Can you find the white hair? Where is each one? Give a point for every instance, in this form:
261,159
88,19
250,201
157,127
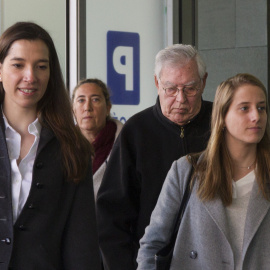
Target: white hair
178,55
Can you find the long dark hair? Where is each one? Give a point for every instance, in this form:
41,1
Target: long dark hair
54,109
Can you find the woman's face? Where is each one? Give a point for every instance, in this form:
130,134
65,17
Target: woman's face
90,108
25,73
246,118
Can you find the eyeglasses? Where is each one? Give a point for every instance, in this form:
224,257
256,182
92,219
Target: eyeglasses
189,90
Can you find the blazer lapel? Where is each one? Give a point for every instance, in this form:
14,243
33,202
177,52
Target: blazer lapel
4,157
45,136
257,209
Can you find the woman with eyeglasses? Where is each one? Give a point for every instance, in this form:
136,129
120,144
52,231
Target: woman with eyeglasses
47,212
227,218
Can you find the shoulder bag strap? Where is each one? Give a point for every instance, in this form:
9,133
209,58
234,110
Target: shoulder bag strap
183,205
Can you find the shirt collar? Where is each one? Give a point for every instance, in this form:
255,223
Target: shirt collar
34,128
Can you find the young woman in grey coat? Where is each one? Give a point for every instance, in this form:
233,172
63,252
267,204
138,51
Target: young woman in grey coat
227,219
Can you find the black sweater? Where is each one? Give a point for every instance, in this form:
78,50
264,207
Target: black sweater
141,157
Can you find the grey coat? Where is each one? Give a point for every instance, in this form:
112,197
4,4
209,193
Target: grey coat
203,241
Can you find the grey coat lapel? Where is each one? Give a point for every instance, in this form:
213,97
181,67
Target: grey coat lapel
257,209
217,212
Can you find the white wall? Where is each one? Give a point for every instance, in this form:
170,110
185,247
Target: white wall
50,14
148,19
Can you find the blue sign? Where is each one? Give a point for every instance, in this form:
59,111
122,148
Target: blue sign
123,67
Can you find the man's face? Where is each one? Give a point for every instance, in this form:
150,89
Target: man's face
180,108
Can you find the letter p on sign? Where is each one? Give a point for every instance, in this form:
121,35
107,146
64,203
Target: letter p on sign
123,67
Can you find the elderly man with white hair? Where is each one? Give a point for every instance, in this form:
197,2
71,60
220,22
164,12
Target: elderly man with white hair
178,124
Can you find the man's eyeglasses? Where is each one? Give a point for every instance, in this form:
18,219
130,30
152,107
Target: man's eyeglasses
188,90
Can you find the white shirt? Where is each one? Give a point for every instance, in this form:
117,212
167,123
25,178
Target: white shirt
21,176
236,213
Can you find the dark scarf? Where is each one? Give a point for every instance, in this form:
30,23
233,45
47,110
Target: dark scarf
103,144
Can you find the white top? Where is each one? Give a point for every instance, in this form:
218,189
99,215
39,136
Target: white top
98,176
21,176
236,213
243,185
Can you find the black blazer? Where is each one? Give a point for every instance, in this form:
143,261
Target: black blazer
57,226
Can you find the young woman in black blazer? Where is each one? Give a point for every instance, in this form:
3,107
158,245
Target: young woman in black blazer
47,213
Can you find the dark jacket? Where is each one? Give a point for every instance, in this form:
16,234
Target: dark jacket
140,160
57,227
